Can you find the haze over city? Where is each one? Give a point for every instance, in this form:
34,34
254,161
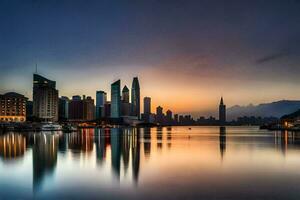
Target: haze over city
186,54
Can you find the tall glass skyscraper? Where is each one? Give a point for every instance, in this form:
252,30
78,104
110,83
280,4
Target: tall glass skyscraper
135,97
100,101
115,99
45,98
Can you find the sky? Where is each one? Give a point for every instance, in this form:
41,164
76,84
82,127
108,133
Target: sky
187,54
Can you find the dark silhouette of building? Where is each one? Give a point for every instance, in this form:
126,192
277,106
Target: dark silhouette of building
176,119
222,113
159,115
12,107
29,109
81,109
115,108
147,116
101,99
135,98
147,105
125,94
45,98
107,107
125,105
169,117
63,108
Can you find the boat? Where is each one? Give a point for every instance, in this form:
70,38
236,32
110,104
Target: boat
50,127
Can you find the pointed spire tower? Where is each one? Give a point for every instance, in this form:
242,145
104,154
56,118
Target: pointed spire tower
222,113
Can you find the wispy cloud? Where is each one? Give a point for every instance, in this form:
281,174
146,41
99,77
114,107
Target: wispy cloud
272,57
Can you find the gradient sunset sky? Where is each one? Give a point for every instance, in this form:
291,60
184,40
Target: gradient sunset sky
185,53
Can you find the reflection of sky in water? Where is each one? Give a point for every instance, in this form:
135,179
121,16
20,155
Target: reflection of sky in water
201,162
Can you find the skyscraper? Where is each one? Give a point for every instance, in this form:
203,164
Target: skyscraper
45,98
115,99
81,109
63,108
169,117
222,113
159,115
125,105
147,105
125,94
135,97
101,99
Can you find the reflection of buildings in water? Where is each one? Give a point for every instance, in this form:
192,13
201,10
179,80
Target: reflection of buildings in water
222,140
81,141
169,136
159,137
121,142
126,148
62,143
44,155
287,140
116,150
102,142
147,142
135,153
12,146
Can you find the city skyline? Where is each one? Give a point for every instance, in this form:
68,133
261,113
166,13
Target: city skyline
213,49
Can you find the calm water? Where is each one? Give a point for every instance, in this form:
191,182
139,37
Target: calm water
156,163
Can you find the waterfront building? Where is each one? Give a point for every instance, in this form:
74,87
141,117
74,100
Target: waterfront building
81,108
107,107
29,109
63,108
147,105
135,98
176,119
159,115
146,116
101,99
169,117
115,109
125,94
125,105
222,113
12,107
45,98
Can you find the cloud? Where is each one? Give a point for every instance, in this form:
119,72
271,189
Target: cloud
272,57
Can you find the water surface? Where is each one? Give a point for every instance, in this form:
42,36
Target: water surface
151,163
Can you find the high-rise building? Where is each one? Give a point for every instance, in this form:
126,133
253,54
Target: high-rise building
12,107
81,109
125,94
147,105
169,116
125,105
147,116
63,108
101,99
176,119
222,113
107,107
115,109
159,115
45,98
29,109
135,97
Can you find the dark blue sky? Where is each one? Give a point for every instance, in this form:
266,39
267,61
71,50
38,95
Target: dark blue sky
229,47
